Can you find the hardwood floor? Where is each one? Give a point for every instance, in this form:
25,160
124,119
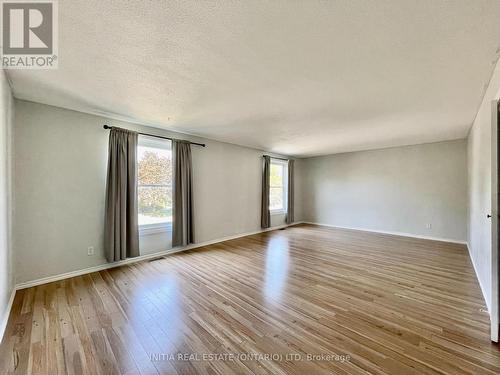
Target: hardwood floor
374,303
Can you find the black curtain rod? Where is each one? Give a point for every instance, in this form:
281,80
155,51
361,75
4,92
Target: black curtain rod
156,136
272,157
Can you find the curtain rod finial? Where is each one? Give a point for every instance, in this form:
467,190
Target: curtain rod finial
106,126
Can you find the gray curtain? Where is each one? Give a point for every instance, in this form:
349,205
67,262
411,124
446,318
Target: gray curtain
290,200
183,225
265,218
121,233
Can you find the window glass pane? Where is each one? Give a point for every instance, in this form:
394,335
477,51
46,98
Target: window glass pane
276,198
276,175
155,204
154,185
155,167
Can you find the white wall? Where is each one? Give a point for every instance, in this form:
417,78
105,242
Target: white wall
397,189
6,264
479,184
60,172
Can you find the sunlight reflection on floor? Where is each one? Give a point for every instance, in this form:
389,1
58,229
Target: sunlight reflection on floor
277,259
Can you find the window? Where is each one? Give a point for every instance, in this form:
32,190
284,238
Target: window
277,186
154,161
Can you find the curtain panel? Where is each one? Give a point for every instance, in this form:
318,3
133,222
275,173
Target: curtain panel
265,218
183,213
121,232
290,193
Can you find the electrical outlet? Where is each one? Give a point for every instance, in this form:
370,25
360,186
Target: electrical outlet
428,226
90,250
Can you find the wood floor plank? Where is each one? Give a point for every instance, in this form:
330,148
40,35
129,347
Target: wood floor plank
308,299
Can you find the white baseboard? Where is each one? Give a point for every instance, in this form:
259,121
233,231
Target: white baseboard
67,275
487,303
6,314
402,234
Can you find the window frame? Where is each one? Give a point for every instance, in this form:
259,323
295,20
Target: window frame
284,164
162,144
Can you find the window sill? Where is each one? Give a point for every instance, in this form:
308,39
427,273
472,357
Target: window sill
278,212
145,230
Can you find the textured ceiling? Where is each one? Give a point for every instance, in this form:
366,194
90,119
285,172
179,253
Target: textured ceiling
294,77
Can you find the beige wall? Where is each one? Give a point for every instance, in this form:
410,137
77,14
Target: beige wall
479,182
60,171
399,190
6,264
